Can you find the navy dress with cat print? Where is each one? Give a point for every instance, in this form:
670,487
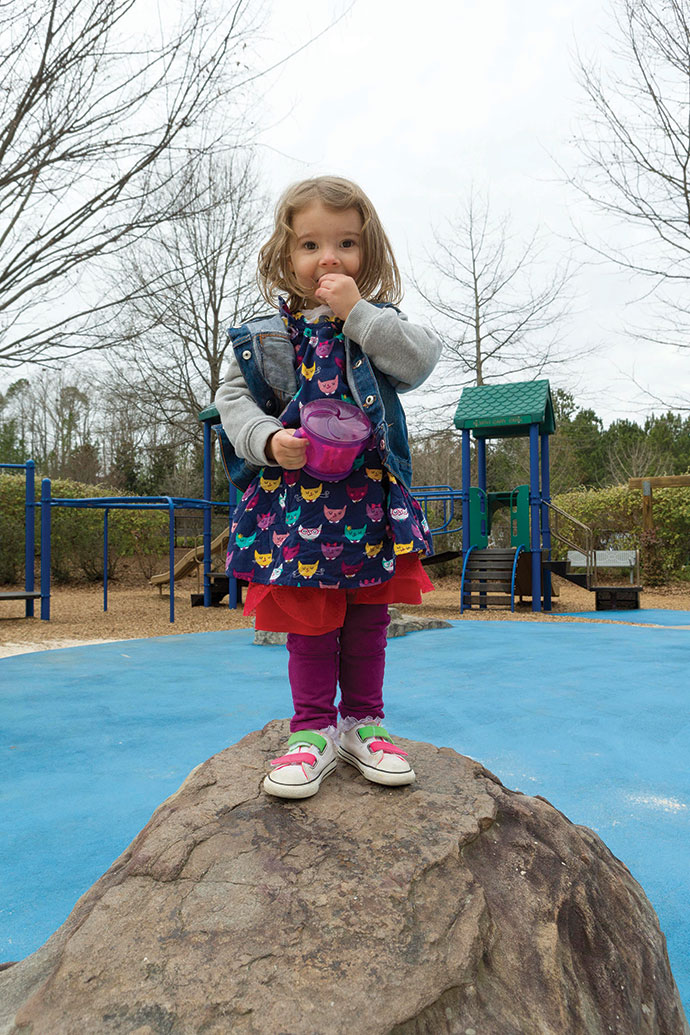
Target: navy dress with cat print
291,529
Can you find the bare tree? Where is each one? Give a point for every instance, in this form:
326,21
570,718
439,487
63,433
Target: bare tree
190,279
55,419
636,151
499,313
631,452
633,458
97,107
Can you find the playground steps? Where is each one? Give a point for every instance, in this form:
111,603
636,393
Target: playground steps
488,571
562,568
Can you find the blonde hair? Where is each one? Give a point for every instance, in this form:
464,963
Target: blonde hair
378,279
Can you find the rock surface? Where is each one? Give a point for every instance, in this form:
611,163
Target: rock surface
400,625
452,906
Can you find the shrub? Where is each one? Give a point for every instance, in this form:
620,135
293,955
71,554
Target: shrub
12,495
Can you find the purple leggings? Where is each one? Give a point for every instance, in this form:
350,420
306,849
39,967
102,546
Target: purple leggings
353,656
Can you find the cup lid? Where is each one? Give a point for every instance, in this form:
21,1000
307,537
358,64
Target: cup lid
335,421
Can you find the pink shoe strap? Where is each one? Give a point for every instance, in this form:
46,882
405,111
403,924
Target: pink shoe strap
386,747
296,758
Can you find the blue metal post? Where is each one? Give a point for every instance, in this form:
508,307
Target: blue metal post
232,581
45,550
481,482
481,464
106,512
208,489
534,508
545,520
466,479
29,536
171,541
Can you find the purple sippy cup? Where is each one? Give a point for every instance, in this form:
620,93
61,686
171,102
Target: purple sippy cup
336,433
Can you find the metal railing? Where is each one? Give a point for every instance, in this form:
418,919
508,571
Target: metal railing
594,559
443,497
585,546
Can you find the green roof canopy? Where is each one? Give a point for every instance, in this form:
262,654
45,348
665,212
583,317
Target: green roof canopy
504,411
208,413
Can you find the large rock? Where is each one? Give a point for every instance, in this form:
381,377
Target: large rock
451,906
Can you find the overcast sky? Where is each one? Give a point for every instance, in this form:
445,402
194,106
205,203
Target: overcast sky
420,101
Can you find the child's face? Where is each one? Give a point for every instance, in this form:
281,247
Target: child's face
326,240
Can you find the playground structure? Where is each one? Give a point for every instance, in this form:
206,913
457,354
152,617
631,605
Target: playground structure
495,575
490,575
170,504
144,503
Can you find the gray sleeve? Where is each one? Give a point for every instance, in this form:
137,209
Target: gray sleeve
245,423
404,351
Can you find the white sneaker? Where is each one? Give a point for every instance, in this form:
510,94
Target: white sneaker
370,749
298,774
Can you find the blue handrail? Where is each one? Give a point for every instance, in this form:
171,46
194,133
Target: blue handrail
445,494
512,581
462,581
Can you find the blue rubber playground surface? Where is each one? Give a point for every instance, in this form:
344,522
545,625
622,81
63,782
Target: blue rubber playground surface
593,717
646,617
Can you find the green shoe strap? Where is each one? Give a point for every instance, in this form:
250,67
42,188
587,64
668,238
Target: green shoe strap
364,732
307,737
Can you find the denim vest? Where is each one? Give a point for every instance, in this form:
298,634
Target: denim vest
266,358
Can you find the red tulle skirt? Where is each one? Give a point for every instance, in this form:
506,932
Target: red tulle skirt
312,611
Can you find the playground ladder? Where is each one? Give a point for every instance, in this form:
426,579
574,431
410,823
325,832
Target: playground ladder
487,572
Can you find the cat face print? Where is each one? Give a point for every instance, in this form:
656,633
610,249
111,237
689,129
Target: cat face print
310,495
269,484
324,348
334,514
328,387
356,492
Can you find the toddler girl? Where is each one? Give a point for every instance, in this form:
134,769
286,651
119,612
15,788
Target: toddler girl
324,558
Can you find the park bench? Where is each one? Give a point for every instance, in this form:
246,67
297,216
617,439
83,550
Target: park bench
606,559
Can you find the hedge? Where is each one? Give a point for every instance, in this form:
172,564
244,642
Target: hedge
76,535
